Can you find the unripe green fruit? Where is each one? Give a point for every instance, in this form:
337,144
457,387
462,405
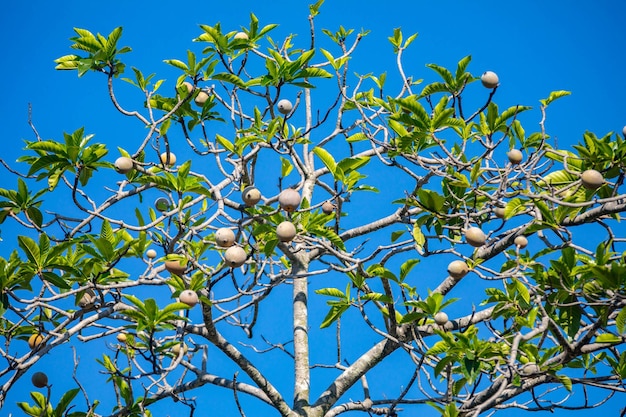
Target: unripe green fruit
35,341
201,98
241,35
39,379
151,253
168,158
121,337
189,297
124,165
521,242
457,269
285,106
289,199
489,79
328,207
162,204
235,256
592,179
175,267
176,348
515,156
499,212
530,368
441,318
224,237
286,231
87,299
251,195
475,237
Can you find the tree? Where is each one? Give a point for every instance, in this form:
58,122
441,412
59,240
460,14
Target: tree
258,200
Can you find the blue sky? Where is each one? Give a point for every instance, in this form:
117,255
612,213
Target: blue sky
535,47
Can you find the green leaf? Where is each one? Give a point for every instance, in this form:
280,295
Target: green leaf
608,338
326,158
406,267
620,321
554,96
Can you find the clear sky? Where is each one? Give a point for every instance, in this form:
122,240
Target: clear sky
535,47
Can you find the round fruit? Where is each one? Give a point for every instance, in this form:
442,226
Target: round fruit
499,212
441,318
286,231
168,158
176,348
457,269
235,256
121,337
285,106
489,79
123,164
88,299
521,242
162,204
251,195
530,368
592,179
515,156
241,35
188,86
188,297
175,267
151,253
289,199
201,98
624,131
224,237
39,379
35,341
475,237
328,207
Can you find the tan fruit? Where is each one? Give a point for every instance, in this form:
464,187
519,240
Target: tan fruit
457,269
124,165
251,195
530,368
189,297
175,267
176,348
201,98
499,212
241,35
188,86
224,237
35,341
121,337
624,131
289,199
151,253
515,156
88,299
475,237
39,379
286,231
592,179
235,256
328,207
489,79
521,242
285,106
168,159
441,318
